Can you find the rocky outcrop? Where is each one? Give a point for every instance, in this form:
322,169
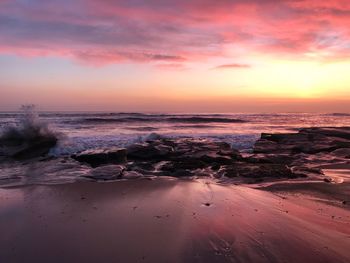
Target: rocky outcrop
179,157
102,156
195,157
149,151
306,151
285,155
308,140
257,170
182,149
107,172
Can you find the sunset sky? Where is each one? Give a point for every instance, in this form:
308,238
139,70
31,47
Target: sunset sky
183,55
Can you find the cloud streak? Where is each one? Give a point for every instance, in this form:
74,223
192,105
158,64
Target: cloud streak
233,66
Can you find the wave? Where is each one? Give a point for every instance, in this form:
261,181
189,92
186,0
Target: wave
205,120
83,114
194,126
30,133
338,114
107,120
72,145
165,119
142,128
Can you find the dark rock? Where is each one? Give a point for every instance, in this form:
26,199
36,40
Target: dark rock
28,139
276,156
258,170
181,173
216,158
305,151
215,166
149,151
100,157
26,142
141,165
205,150
327,180
153,137
266,146
107,172
310,140
271,158
337,132
179,157
189,164
36,148
342,152
303,171
131,175
176,173
227,171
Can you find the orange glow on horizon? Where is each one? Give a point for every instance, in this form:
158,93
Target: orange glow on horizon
228,55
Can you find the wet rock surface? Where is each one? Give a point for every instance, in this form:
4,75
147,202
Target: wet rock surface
305,152
23,150
103,156
308,140
179,157
257,170
275,156
32,149
107,172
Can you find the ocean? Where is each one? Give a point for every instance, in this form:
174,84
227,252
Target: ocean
91,130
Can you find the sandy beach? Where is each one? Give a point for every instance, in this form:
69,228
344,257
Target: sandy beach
177,200
175,131
169,220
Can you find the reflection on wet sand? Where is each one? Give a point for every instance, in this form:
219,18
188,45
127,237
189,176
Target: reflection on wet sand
168,220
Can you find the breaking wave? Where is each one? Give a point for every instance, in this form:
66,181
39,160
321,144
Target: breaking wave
28,130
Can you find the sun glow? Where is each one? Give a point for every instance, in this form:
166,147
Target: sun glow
299,79
292,79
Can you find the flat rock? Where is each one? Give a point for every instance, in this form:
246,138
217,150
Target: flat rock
336,132
106,172
131,175
153,137
149,151
257,170
342,152
308,140
304,171
188,164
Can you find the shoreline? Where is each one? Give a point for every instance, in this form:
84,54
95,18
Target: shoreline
182,200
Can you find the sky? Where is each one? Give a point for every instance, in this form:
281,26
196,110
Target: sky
175,56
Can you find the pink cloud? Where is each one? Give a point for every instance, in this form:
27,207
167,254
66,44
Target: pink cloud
105,31
233,66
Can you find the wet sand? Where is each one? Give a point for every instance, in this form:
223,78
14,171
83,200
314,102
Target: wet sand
169,220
